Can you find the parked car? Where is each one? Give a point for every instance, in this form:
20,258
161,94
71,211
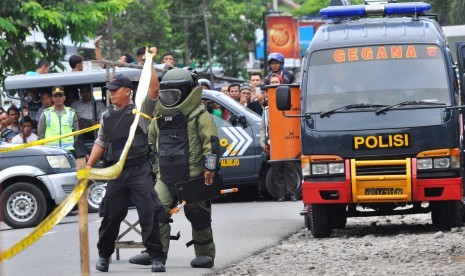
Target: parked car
33,181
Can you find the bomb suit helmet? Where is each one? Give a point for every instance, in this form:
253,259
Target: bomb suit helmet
176,85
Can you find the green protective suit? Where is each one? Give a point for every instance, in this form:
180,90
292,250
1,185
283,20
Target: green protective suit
202,133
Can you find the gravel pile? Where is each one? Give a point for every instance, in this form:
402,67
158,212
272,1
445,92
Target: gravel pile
385,245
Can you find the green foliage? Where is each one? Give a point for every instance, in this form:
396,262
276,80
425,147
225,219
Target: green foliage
56,19
313,7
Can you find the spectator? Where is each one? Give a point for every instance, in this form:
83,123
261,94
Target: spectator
168,59
233,91
255,79
4,119
46,101
26,136
13,115
43,67
252,104
140,56
76,62
246,94
72,95
126,58
88,110
5,132
206,84
32,103
225,90
275,79
58,120
276,66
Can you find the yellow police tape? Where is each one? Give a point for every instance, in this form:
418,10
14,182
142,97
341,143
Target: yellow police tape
49,222
82,175
43,141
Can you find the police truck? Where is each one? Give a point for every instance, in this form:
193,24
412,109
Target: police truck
379,117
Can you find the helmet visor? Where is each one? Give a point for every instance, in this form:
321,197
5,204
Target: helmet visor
169,97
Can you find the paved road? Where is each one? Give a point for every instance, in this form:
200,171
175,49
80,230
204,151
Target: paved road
240,229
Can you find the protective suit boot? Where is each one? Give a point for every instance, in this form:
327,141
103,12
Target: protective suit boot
141,259
157,265
202,262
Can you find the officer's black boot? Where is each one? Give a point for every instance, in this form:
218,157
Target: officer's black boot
102,264
202,262
157,265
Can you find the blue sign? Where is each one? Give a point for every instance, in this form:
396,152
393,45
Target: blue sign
259,50
306,34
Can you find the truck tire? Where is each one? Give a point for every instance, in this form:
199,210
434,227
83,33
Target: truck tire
447,213
320,220
338,216
23,205
95,193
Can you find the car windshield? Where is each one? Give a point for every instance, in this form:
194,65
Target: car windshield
376,75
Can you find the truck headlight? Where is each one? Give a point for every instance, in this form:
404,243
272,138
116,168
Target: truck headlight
334,168
58,162
441,163
424,164
319,169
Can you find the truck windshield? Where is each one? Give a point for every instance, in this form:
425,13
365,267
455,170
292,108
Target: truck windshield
376,75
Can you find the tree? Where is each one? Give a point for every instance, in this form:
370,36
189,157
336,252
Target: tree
56,19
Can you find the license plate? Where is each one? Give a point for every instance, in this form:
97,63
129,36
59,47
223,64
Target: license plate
383,191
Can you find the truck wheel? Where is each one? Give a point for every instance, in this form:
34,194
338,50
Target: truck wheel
23,205
95,193
338,216
320,220
447,214
270,185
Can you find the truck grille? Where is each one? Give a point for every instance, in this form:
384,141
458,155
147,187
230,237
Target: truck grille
381,170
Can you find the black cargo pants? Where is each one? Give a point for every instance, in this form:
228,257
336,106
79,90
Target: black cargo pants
135,181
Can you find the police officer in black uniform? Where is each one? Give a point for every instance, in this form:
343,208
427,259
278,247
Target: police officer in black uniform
136,179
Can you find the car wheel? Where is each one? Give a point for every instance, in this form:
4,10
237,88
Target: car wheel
95,194
23,205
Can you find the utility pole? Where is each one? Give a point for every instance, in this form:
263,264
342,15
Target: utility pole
207,35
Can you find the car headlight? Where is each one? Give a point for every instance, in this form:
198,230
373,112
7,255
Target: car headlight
58,162
319,169
424,164
441,163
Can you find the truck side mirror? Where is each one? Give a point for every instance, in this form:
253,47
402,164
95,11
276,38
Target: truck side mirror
283,98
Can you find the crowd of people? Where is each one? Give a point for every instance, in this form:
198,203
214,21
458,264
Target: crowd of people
174,101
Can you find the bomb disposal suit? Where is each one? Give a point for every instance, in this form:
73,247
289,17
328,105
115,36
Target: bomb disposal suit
185,139
380,125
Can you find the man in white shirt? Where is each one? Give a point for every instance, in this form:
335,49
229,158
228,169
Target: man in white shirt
26,136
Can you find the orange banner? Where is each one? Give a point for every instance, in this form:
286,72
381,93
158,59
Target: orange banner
283,36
